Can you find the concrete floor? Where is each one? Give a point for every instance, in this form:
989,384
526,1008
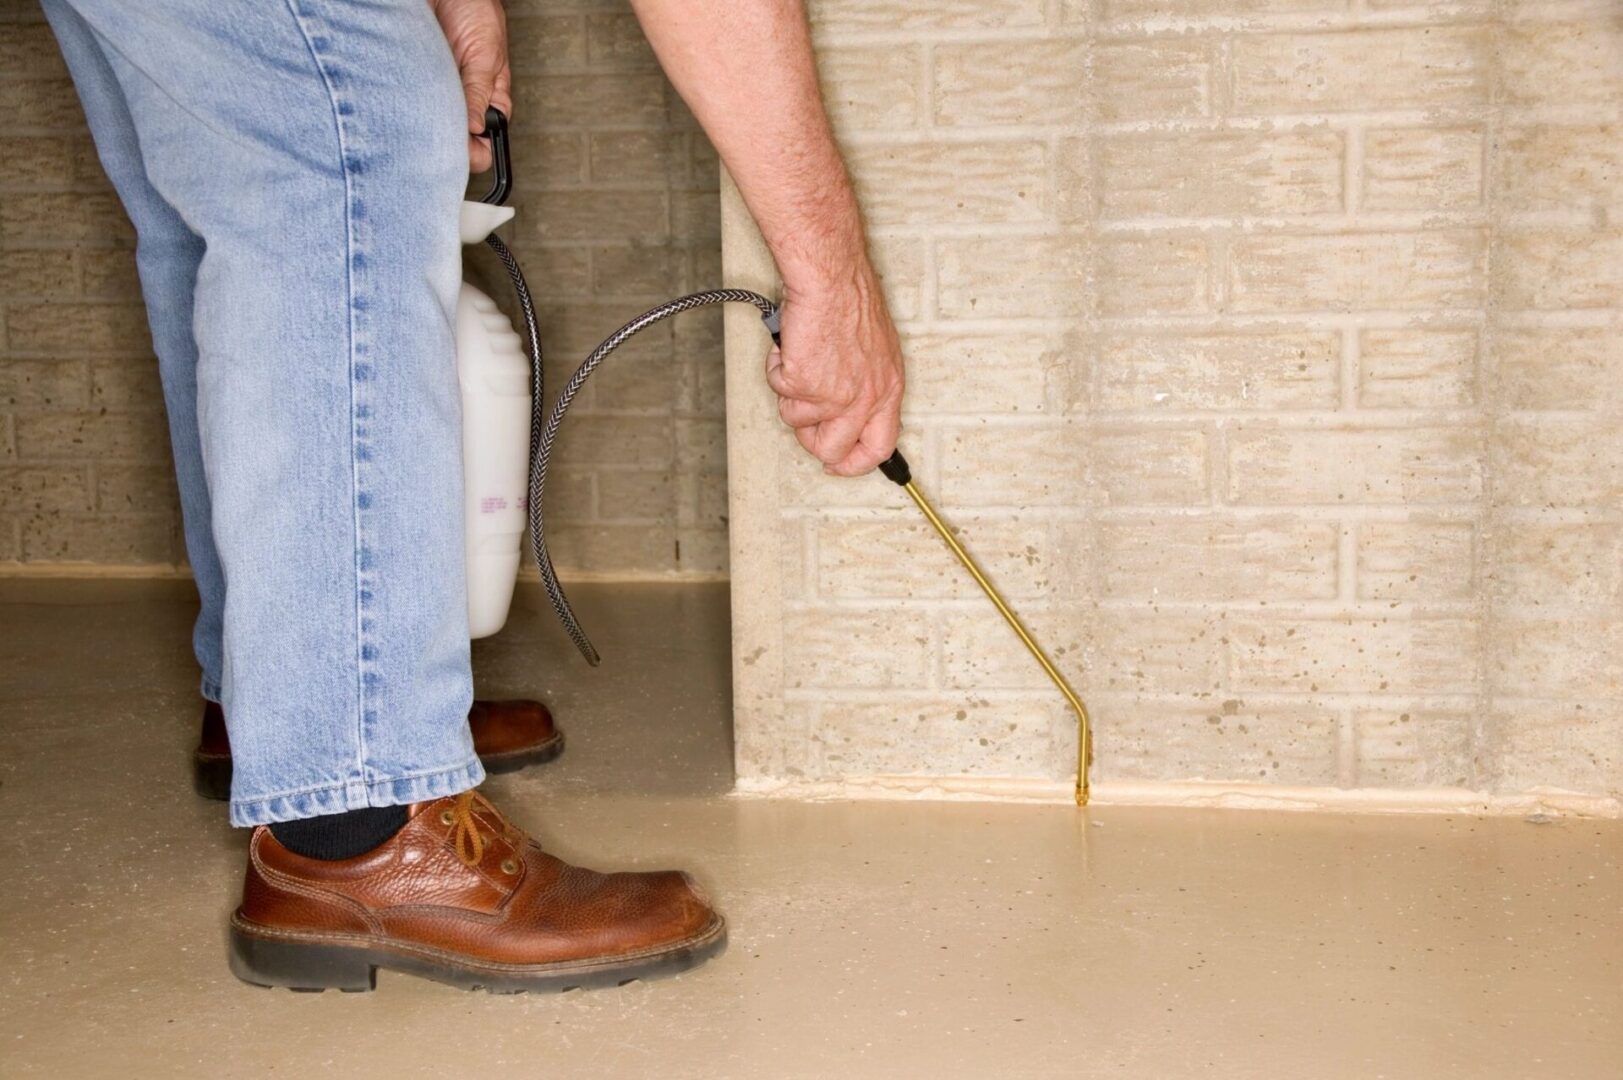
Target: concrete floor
878,939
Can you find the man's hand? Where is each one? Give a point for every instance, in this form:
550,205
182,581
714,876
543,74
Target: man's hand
477,31
839,375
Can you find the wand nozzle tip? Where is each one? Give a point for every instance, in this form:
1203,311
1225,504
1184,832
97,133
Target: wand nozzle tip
896,470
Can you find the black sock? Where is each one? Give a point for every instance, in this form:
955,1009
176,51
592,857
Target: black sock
340,836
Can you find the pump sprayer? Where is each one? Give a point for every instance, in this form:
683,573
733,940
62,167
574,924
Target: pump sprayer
543,424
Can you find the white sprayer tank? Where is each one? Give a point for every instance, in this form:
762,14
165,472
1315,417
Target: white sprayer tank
494,374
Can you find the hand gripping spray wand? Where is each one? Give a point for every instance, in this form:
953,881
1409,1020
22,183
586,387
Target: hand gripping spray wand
543,432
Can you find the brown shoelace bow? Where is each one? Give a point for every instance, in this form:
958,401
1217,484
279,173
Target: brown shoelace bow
466,838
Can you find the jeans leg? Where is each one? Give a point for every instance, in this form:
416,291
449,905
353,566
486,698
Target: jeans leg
167,256
317,148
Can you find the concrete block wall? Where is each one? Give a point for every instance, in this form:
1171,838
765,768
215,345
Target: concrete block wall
617,199
1268,357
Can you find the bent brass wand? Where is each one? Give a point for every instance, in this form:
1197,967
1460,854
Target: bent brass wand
896,470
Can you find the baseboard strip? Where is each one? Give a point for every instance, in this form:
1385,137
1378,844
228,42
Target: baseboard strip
1204,794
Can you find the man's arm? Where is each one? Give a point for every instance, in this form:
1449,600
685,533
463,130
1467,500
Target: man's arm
745,68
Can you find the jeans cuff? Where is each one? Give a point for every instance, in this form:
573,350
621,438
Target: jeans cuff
211,690
356,795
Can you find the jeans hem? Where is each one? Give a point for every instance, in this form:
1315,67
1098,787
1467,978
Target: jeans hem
211,690
356,794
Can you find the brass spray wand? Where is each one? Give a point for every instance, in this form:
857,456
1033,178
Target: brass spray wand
896,470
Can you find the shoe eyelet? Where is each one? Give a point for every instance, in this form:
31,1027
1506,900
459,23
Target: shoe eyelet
447,818
509,866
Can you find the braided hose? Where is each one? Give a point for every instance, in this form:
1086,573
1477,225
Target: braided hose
544,424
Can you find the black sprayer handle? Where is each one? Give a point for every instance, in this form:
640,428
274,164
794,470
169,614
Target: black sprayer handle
496,132
894,467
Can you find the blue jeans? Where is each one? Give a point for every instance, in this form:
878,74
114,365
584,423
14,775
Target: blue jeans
294,169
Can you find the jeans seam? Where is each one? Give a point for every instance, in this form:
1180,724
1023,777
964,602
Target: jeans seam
354,403
455,778
399,778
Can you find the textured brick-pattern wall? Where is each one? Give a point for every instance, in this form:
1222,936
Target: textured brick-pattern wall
1268,356
617,210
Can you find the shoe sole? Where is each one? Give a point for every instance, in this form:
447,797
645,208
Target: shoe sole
311,963
514,760
211,773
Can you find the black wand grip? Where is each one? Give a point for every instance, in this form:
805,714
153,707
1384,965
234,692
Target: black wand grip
896,470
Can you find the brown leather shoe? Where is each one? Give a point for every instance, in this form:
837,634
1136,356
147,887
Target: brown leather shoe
507,735
461,897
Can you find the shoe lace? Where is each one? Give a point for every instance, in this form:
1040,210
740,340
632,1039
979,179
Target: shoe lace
466,839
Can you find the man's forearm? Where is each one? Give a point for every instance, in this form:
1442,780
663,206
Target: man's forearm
745,68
